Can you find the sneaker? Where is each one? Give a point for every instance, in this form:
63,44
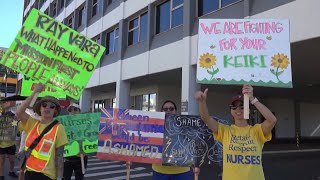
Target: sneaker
12,174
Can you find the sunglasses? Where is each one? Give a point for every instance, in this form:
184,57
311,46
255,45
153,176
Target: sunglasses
168,109
48,104
235,107
73,109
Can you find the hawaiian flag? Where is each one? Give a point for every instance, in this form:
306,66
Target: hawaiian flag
131,135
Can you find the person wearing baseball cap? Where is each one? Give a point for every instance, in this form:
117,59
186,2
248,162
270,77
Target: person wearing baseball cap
242,143
73,163
46,158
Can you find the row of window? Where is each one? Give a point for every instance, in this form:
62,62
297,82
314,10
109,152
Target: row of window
169,14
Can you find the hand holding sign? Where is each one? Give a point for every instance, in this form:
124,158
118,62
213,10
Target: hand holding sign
38,89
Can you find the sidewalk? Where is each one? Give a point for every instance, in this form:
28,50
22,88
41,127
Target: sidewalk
271,148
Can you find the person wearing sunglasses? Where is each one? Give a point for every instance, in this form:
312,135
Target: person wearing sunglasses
46,159
170,172
73,163
242,143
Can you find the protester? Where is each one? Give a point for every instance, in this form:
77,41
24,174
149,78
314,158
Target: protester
46,159
7,148
242,143
73,163
161,172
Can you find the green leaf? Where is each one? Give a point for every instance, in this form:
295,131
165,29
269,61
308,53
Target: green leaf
280,73
216,71
272,71
210,72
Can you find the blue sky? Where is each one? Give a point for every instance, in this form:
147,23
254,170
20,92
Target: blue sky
11,13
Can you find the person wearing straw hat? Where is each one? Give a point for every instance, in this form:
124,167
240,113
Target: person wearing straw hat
242,143
46,158
73,163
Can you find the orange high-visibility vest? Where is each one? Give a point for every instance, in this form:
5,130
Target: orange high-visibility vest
41,154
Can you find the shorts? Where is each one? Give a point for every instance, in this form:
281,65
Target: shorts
181,176
8,150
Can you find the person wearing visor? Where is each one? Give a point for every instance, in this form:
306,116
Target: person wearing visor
242,143
46,158
73,163
161,172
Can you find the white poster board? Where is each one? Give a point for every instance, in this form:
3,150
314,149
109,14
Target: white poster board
244,51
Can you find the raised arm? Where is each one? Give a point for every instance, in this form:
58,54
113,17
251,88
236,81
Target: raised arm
21,111
271,120
201,97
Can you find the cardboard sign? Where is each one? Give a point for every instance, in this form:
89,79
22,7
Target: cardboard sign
28,85
130,135
54,54
82,132
189,142
244,51
8,128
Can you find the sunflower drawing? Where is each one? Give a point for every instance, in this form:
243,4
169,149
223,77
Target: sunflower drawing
207,61
279,61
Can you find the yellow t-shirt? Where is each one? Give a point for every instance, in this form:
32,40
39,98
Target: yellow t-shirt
242,151
169,169
61,140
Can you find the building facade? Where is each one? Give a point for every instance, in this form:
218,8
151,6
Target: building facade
151,56
8,79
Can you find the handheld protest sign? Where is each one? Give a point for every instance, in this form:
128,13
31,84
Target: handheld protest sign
8,128
131,135
28,85
244,51
82,132
188,142
53,54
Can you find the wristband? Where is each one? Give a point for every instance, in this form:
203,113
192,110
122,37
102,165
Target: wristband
254,101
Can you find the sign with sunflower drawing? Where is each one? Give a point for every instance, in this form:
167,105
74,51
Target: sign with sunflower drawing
244,51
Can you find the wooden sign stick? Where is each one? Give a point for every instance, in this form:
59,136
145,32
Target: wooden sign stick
34,99
82,163
82,158
246,106
128,163
196,171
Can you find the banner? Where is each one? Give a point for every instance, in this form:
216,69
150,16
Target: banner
8,128
189,142
28,85
82,132
244,51
54,54
130,135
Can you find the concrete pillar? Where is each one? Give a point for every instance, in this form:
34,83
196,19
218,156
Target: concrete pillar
123,94
85,101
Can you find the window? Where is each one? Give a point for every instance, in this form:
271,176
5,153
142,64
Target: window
62,4
138,29
41,2
98,104
169,15
146,102
96,39
94,7
112,41
70,22
46,11
54,8
80,16
207,6
109,2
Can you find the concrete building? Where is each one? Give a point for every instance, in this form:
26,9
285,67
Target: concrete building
151,56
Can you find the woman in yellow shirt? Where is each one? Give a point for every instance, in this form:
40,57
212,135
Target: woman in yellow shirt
242,143
170,172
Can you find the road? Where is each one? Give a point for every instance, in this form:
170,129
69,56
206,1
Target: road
298,165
